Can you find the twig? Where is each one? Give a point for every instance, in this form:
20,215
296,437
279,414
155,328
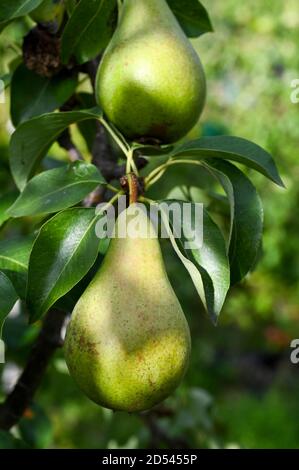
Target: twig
95,197
65,142
91,69
49,339
159,436
102,154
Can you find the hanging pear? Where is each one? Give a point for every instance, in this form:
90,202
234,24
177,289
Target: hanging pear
128,343
150,83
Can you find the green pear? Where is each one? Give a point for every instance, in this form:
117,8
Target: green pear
150,83
128,343
49,11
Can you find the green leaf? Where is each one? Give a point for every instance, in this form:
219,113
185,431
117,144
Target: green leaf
88,129
10,9
153,151
64,251
184,179
8,441
14,254
70,6
17,334
6,201
14,258
57,189
6,79
88,30
246,217
8,298
67,302
206,259
3,25
192,16
32,140
32,95
36,428
230,148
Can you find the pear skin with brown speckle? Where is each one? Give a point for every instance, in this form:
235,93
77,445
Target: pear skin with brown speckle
128,342
150,83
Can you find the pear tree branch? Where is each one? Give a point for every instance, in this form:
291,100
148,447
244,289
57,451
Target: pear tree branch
65,142
50,336
49,339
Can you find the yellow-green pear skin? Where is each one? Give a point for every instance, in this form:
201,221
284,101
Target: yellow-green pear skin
150,83
128,342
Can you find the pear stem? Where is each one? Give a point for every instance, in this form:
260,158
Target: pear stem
133,188
110,203
129,159
130,163
127,150
157,173
112,188
147,200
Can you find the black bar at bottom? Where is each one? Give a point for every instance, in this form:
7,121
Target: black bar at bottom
149,458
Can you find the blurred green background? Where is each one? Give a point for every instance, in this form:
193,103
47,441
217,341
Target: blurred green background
241,389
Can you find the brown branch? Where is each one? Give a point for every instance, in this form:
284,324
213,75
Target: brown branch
106,160
65,142
49,339
91,68
103,156
159,436
95,197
